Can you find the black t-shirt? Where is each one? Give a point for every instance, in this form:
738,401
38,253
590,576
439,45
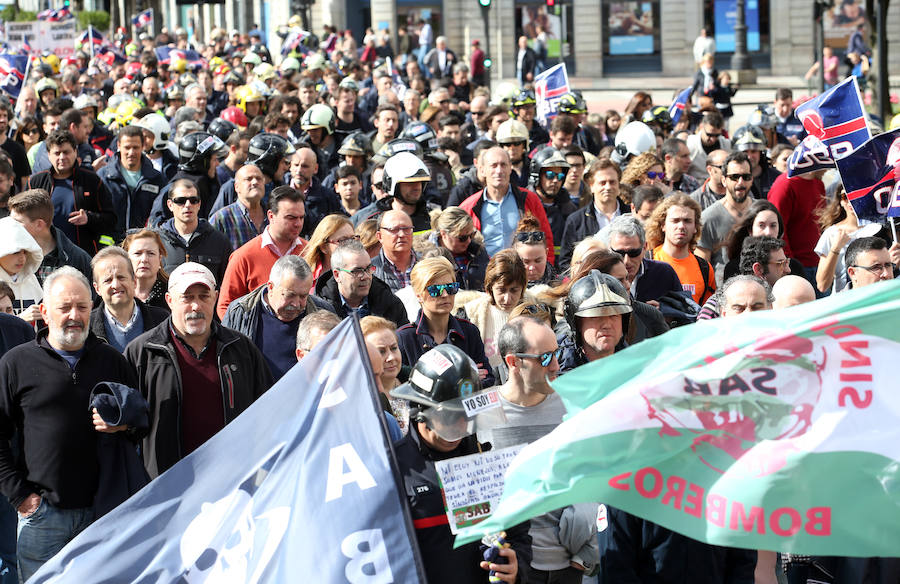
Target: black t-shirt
19,159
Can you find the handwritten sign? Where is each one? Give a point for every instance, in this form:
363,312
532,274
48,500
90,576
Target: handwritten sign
472,485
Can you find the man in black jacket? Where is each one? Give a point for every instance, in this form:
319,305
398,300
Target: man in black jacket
352,287
189,238
196,375
83,208
120,317
45,387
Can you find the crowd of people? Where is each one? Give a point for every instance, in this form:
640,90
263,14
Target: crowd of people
190,230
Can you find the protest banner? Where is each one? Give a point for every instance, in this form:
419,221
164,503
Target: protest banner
742,432
303,484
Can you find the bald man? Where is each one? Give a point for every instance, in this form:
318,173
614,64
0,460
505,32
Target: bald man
320,202
792,290
743,294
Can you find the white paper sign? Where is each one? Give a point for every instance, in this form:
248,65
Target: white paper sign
472,485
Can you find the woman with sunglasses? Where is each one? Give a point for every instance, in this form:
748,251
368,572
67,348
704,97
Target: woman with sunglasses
646,169
30,132
434,283
530,245
331,231
454,230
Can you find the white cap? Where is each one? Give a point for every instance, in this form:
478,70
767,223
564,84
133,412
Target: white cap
188,274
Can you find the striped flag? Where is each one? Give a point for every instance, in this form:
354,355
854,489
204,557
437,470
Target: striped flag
92,35
774,430
143,19
549,87
678,106
12,73
871,175
836,125
58,15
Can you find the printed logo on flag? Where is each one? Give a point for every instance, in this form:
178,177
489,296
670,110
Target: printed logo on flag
836,122
871,177
549,87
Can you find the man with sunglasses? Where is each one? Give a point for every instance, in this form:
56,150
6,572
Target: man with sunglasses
188,237
564,541
677,162
648,279
719,218
351,286
709,138
549,169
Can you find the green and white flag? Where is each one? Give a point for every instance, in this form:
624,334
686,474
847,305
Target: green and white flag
777,430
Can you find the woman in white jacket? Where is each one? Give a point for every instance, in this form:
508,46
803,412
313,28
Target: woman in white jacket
20,257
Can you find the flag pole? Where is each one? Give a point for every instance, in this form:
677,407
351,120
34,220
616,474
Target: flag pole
91,40
152,22
893,228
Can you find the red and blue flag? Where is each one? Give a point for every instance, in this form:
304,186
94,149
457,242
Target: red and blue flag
549,87
871,177
57,15
143,19
680,104
836,125
12,73
92,35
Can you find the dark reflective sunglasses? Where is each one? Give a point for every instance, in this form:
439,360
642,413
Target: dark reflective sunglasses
465,238
182,201
656,175
544,358
530,236
435,290
747,177
552,174
632,253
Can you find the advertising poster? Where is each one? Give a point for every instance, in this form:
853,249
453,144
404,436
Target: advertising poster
841,20
726,14
630,26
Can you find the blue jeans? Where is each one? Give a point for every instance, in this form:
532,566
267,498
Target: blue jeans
46,531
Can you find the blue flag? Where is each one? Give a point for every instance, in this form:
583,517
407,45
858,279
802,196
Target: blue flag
302,486
678,106
871,177
12,73
143,19
91,35
549,86
836,125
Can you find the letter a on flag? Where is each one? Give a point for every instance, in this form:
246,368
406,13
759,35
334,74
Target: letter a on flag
774,430
301,487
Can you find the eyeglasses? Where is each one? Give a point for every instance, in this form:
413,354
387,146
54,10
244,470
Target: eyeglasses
464,238
877,269
544,358
182,201
443,101
511,144
656,175
530,236
713,134
632,253
359,273
343,239
398,229
435,290
378,186
30,131
552,174
780,263
746,177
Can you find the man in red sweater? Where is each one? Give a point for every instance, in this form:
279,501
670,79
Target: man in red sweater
249,266
797,199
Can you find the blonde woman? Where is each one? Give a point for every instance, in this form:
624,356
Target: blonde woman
382,334
434,282
331,231
146,250
454,230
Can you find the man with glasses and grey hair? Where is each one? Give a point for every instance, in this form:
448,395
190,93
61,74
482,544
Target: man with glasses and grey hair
271,314
649,280
45,386
869,261
352,287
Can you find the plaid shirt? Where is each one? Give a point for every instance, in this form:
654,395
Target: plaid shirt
234,221
388,273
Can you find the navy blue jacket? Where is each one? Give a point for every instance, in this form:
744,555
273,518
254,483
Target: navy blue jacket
634,550
132,206
13,332
656,279
415,340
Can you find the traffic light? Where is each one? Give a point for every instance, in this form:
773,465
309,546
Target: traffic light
551,3
488,62
484,3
